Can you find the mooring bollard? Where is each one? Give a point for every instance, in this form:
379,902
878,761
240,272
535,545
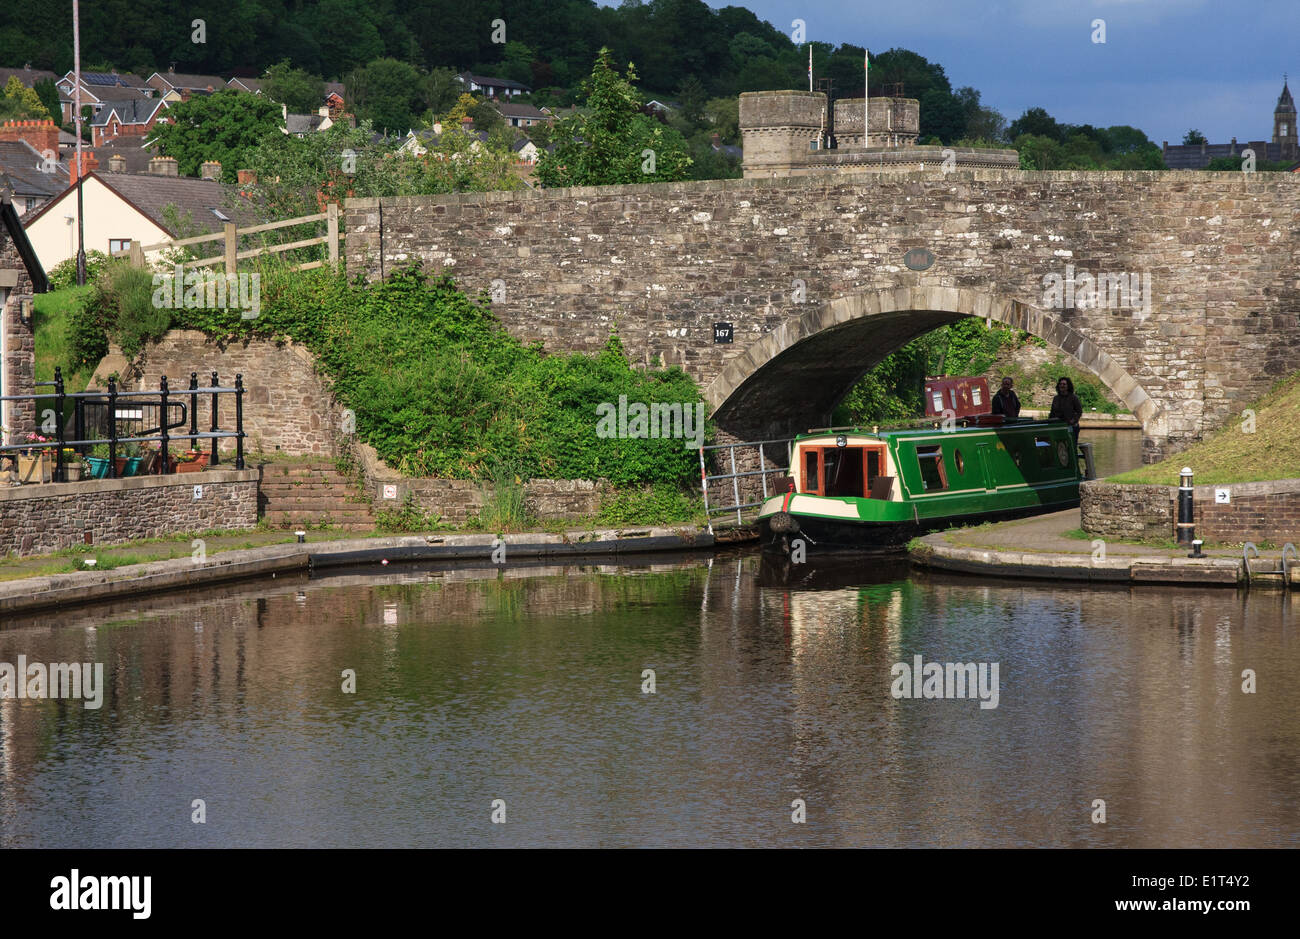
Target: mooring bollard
1186,508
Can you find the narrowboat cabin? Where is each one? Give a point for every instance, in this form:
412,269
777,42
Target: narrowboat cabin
851,488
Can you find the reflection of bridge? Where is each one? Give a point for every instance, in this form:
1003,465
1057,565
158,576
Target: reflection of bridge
810,271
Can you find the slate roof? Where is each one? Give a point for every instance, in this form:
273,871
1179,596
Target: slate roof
28,76
194,199
490,82
20,162
253,85
183,80
130,111
12,224
336,87
524,111
302,123
130,149
1191,156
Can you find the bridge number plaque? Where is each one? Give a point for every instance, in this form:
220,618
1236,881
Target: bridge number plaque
723,332
919,259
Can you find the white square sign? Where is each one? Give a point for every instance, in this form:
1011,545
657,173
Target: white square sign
390,492
198,492
1222,496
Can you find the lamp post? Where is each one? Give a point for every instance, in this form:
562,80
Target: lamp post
76,125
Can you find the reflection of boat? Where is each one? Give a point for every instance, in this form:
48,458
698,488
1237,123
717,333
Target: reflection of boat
853,488
843,569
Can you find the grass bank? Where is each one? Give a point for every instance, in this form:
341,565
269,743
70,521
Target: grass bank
1259,444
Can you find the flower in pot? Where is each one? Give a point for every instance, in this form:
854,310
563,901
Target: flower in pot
34,461
72,465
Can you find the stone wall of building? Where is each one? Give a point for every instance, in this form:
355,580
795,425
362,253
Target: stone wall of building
17,369
455,501
36,519
806,264
288,405
1258,512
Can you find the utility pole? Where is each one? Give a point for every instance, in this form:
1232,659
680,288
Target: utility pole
76,126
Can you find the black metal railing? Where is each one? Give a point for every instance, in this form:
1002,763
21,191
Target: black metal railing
124,417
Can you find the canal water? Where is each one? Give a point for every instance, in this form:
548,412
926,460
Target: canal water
690,701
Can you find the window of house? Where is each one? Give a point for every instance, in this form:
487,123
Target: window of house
119,244
930,460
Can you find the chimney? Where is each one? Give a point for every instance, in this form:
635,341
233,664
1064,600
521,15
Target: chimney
185,94
211,169
91,163
171,69
40,135
246,177
117,163
163,166
717,140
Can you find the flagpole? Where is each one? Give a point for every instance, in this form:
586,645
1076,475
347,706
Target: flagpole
866,96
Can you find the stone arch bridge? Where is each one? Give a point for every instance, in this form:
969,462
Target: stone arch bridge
822,276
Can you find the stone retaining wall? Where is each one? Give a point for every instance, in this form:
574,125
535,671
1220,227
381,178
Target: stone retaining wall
36,519
457,500
1258,512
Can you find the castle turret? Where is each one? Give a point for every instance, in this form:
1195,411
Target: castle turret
895,122
1284,129
780,129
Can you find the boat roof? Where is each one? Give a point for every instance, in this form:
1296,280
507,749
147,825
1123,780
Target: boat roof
928,431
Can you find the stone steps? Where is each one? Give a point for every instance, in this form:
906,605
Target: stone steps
298,494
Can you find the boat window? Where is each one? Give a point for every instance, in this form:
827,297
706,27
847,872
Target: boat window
811,478
930,460
961,464
937,397
975,395
1044,447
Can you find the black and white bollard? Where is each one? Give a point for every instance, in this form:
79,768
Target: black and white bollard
1186,508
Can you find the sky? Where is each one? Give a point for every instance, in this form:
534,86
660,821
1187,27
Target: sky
1166,65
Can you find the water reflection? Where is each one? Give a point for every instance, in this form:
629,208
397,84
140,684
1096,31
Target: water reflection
771,685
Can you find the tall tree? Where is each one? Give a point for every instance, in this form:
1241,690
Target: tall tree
220,127
388,93
298,89
611,141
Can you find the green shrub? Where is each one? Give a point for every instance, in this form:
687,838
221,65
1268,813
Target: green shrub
120,308
64,274
661,504
503,500
409,517
439,388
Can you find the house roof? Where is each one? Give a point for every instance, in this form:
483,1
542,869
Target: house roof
20,162
248,84
489,82
521,143
510,109
199,199
131,111
28,76
131,148
9,216
302,123
337,88
181,80
1193,157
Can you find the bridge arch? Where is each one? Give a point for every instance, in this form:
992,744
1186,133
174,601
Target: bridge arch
795,375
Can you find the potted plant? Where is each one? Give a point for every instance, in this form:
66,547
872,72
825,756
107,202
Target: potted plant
34,462
129,460
98,461
192,461
72,465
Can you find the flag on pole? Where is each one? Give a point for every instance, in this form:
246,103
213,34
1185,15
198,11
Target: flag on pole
866,94
810,88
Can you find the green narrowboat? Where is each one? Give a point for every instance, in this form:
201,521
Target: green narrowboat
850,488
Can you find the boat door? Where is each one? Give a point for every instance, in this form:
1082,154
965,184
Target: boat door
985,451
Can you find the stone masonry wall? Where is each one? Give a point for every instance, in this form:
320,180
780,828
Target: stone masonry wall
18,369
1258,512
660,264
36,519
288,406
457,500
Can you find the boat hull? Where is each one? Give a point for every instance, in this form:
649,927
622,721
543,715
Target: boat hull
846,535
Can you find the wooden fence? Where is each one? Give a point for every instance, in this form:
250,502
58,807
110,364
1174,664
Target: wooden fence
230,235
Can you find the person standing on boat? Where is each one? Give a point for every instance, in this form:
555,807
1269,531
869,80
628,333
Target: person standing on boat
1006,402
1066,406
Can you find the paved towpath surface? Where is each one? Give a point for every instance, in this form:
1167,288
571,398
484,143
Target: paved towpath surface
1049,547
